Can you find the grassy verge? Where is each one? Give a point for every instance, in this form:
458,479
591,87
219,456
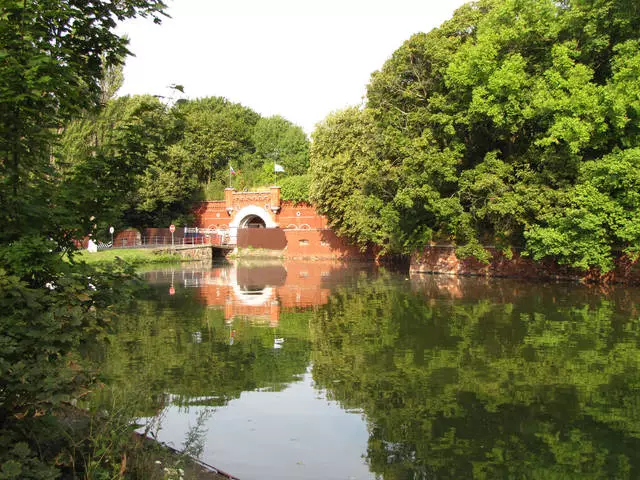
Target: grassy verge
103,445
153,461
132,257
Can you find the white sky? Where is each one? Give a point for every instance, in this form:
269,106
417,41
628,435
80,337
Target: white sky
301,59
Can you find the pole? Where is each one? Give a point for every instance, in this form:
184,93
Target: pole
276,154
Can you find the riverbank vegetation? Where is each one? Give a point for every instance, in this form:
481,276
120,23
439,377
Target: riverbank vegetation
135,257
74,159
514,124
52,59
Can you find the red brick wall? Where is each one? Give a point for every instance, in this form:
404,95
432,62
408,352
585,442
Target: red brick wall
211,215
321,244
291,215
306,232
301,243
127,238
444,260
300,216
268,238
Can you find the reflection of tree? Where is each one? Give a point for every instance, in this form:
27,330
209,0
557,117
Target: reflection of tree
507,385
183,349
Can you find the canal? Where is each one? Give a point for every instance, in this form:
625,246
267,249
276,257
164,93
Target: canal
315,370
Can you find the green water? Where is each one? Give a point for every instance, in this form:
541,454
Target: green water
320,371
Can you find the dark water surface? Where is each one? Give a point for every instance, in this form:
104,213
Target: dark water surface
318,371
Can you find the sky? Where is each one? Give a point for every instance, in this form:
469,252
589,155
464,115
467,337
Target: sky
301,59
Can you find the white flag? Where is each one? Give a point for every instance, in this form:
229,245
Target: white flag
278,168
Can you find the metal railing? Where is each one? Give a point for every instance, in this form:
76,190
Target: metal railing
191,236
156,241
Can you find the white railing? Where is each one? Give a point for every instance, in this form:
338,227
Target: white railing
222,237
103,246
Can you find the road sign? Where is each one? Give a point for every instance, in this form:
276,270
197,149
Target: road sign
172,228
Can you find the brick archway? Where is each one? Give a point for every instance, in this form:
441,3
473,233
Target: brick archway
244,215
252,221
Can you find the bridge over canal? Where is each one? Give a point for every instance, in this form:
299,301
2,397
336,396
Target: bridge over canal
199,252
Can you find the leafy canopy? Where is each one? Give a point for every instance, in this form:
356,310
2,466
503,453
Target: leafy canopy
488,130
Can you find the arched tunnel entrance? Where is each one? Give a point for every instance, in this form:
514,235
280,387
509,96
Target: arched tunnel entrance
253,226
252,221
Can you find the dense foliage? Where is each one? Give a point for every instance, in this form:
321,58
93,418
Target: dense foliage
148,162
513,124
53,56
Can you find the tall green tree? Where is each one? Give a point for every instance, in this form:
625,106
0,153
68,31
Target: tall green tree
51,62
278,140
350,179
129,154
491,122
52,56
216,132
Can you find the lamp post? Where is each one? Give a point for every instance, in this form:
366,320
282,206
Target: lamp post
275,155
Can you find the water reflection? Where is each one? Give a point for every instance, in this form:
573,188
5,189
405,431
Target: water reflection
315,370
470,378
257,291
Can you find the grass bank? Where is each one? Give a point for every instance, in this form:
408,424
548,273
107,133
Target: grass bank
102,445
133,257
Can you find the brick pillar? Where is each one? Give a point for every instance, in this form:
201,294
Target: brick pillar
275,199
228,199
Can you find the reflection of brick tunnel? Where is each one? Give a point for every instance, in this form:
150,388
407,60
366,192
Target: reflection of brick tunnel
272,275
259,293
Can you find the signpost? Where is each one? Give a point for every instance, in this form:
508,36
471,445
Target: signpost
111,230
172,228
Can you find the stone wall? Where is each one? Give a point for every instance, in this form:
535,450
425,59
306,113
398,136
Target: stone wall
204,254
322,243
443,260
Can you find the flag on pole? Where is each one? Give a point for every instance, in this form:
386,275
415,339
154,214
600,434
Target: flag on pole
278,168
231,170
